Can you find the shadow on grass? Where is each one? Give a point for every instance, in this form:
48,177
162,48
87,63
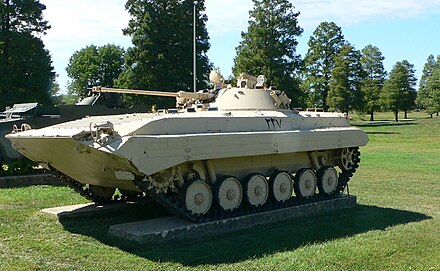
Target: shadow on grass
250,243
382,123
383,133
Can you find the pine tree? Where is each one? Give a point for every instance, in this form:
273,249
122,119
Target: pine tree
372,85
399,90
346,79
433,88
324,45
409,99
26,71
162,54
269,46
424,96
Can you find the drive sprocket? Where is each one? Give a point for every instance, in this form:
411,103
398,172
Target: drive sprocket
348,162
164,179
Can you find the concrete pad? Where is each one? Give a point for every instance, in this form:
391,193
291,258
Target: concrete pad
88,209
162,230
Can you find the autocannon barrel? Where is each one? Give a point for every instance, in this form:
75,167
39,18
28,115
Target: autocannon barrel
180,94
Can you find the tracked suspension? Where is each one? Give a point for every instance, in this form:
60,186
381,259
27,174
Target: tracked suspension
175,204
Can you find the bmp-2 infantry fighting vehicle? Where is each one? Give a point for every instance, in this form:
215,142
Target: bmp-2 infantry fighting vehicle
220,153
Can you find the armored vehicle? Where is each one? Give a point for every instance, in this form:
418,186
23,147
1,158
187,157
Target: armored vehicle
32,115
220,153
12,117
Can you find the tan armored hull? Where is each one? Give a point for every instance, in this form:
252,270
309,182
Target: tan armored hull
142,152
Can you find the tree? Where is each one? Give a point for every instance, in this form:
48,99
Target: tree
162,54
433,87
425,94
409,99
346,79
399,89
94,66
269,46
26,67
55,94
324,45
372,85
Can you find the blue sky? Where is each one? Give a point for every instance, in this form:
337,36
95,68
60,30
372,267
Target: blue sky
402,29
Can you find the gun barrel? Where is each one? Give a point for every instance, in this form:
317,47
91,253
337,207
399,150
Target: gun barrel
180,94
135,91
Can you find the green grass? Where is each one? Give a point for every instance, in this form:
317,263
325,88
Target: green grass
396,225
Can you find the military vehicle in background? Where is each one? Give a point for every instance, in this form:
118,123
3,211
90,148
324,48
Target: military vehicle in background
32,115
220,153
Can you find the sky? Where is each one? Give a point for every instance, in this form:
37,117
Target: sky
401,29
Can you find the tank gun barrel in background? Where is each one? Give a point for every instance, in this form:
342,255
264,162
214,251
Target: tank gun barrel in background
135,91
180,94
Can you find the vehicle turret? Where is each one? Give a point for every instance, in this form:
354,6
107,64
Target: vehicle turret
251,93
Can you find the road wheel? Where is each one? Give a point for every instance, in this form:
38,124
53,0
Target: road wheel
256,190
197,197
228,193
328,180
281,186
305,183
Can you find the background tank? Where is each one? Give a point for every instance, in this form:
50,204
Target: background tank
225,152
25,115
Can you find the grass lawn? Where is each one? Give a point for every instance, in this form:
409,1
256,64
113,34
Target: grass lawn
396,225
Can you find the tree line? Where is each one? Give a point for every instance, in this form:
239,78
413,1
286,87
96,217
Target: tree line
333,74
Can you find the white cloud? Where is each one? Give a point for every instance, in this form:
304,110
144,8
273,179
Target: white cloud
85,21
76,24
348,12
232,15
